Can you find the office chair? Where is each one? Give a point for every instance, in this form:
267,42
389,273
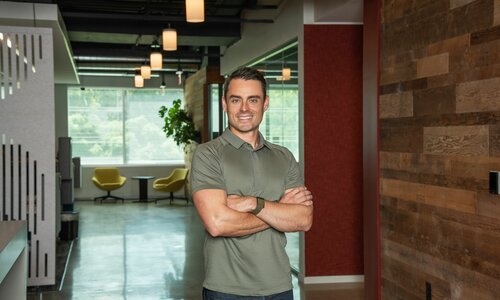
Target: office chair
174,182
108,179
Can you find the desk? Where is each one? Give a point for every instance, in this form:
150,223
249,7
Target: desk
143,187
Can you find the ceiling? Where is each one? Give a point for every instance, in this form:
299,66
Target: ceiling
112,37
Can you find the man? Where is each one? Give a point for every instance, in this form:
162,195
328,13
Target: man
248,192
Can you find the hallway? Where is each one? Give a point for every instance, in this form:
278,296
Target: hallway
147,251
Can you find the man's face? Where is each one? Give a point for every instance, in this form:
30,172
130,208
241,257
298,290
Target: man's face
245,105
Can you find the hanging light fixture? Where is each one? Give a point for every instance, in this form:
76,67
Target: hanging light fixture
155,58
286,73
169,37
146,71
195,11
138,80
179,76
163,86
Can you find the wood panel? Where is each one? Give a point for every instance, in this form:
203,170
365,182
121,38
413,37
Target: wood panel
457,199
432,101
481,95
433,65
196,97
494,141
496,13
194,94
458,3
439,223
438,23
401,139
466,167
488,205
411,281
403,86
457,140
396,105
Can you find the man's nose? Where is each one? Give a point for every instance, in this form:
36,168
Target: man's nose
244,106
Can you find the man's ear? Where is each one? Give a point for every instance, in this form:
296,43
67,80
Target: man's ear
223,100
266,103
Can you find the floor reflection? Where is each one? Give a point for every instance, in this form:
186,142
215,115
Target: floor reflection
142,251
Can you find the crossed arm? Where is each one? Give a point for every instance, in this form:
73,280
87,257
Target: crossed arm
231,216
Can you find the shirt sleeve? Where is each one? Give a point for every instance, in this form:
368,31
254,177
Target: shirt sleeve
294,177
206,170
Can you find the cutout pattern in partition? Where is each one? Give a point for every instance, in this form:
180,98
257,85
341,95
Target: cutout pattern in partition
17,60
23,198
27,143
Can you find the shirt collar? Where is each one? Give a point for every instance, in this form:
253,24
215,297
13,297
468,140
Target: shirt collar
236,142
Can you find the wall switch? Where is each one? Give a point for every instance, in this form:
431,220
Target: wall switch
494,182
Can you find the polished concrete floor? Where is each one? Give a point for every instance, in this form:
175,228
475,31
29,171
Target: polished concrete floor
146,251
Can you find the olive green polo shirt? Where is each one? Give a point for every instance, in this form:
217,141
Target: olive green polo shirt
255,264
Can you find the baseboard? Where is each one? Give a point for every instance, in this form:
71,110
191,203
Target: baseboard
334,279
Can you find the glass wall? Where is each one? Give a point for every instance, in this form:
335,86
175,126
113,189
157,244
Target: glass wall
281,121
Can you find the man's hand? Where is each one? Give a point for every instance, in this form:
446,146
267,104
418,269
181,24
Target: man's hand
299,195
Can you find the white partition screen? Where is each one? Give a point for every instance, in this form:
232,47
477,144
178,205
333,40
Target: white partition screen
27,145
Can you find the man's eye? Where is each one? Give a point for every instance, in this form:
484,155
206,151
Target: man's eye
235,100
253,100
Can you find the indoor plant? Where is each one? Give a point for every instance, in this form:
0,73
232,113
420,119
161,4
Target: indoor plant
179,124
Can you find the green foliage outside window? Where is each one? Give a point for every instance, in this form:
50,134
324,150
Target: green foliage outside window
120,126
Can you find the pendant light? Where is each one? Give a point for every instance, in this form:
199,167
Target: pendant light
155,58
195,11
138,80
146,71
286,73
169,37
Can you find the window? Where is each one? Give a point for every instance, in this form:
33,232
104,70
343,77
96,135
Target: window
121,126
281,121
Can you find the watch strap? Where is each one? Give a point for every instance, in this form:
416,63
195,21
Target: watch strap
260,205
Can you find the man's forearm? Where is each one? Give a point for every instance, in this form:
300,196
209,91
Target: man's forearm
221,220
294,215
287,217
236,224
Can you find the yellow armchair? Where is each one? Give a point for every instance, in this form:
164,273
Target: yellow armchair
108,179
174,182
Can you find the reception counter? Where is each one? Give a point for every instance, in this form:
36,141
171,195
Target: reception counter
13,260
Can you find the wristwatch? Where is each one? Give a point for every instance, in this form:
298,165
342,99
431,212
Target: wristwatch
260,205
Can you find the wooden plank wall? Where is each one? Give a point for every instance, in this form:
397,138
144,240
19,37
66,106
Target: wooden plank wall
194,97
439,137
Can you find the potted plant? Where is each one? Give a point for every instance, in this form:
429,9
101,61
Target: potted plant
179,125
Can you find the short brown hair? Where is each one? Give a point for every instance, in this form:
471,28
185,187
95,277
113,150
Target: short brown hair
246,73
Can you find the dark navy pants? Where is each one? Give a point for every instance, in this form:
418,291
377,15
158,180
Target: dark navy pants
213,295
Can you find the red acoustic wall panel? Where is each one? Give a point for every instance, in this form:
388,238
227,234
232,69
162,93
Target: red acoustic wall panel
333,144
